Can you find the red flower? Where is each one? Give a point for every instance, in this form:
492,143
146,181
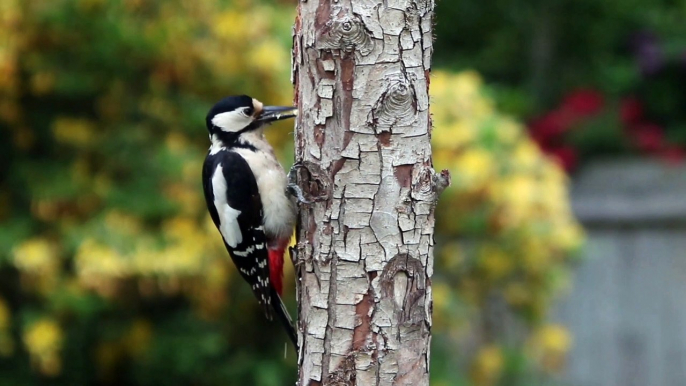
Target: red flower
550,127
566,156
583,103
649,137
630,111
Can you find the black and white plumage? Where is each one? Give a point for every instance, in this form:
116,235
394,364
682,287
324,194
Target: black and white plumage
245,192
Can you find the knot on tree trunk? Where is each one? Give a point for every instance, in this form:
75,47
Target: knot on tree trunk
395,107
403,283
346,32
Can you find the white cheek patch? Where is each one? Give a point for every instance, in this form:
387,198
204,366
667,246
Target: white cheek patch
231,121
228,216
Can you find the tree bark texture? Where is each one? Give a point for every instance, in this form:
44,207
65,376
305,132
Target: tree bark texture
364,256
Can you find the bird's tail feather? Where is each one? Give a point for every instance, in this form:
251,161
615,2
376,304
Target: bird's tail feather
284,317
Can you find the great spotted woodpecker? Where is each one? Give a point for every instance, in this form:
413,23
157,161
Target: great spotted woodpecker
246,194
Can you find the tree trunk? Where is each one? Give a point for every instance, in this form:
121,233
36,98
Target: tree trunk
364,256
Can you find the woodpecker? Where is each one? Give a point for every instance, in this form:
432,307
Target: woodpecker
246,195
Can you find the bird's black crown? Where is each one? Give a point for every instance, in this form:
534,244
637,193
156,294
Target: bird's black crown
230,103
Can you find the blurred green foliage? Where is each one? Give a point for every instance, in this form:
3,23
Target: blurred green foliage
535,51
110,269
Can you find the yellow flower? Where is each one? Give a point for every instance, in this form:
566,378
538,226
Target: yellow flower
453,136
37,256
537,254
441,294
487,366
117,221
94,260
555,338
146,259
568,236
467,83
43,340
440,83
268,56
186,258
231,25
495,262
179,228
550,345
526,155
515,195
77,132
473,168
509,131
482,109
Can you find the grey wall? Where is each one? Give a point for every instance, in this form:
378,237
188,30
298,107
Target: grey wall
627,309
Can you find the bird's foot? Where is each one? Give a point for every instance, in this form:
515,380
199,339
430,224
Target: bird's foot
296,192
293,188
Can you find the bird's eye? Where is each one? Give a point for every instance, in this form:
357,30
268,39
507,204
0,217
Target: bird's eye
248,111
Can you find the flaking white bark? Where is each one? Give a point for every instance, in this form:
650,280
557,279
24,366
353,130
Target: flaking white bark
364,256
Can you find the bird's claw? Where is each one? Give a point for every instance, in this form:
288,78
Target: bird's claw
293,188
296,192
293,173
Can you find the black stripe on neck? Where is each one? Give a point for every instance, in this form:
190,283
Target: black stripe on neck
234,141
243,145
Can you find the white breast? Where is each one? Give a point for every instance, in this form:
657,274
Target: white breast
279,211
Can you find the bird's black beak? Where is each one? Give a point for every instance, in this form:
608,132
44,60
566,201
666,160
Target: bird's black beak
276,113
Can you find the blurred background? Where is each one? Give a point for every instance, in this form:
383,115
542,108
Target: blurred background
112,273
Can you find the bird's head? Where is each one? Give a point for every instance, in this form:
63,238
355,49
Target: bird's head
234,115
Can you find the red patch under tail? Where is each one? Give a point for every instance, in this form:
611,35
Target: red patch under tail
276,268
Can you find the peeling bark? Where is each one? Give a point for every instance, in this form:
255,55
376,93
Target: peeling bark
364,256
